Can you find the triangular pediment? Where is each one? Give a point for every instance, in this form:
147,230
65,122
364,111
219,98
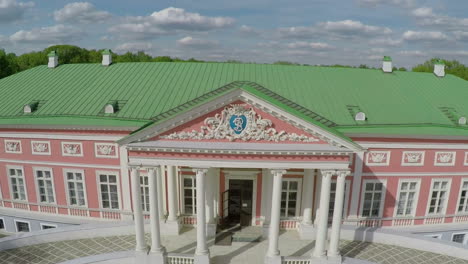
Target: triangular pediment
242,116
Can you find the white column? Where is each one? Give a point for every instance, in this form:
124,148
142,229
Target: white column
308,196
322,225
337,214
172,193
202,248
125,182
159,181
153,174
357,180
209,196
273,235
317,199
137,210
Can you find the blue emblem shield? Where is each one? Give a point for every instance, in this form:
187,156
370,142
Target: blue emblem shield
238,123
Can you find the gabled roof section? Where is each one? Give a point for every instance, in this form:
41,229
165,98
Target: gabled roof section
257,96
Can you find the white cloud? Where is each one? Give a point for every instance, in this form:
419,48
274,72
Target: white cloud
10,10
425,16
386,42
309,45
169,21
249,31
412,53
373,3
133,47
354,27
461,35
80,12
424,36
50,35
197,43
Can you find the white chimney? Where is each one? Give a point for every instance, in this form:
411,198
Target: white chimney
53,59
106,57
439,68
387,64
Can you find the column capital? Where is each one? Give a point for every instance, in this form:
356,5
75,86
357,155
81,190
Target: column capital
152,168
134,166
343,173
328,173
203,170
278,171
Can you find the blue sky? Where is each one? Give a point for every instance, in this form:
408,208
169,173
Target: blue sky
350,32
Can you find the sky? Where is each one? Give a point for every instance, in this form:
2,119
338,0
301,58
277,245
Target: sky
316,32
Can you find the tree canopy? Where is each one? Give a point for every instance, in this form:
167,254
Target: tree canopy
10,63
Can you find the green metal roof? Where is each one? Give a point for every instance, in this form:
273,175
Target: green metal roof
144,91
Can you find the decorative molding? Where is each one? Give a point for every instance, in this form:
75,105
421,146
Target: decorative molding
13,146
378,158
40,147
60,136
445,158
65,164
412,158
419,146
239,121
421,174
465,162
72,149
106,150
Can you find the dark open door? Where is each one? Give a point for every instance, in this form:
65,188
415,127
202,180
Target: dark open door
240,202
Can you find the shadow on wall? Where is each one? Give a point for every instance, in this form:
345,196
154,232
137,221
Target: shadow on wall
359,244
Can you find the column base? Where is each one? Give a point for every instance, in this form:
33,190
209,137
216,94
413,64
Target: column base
307,232
273,260
170,228
265,230
157,257
334,259
211,230
141,257
202,259
319,260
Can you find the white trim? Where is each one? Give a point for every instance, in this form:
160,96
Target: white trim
238,163
72,143
454,157
64,164
370,163
13,141
465,237
357,184
45,224
449,186
231,175
299,194
346,197
67,191
420,163
40,142
402,145
38,195
465,161
126,197
182,194
98,182
8,167
3,220
116,150
382,200
435,236
60,136
22,221
415,200
459,196
421,174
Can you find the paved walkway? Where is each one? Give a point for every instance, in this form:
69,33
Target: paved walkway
244,253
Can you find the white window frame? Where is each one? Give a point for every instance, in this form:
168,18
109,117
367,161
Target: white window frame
370,163
44,224
115,156
416,197
346,198
117,174
22,221
194,190
465,204
454,155
65,180
40,153
63,143
35,170
449,186
382,202
142,193
13,141
465,238
465,162
8,167
420,163
298,198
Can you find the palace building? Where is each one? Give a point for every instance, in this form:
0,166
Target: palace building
215,145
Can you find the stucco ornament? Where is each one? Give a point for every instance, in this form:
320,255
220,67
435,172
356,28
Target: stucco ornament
378,157
72,149
239,122
41,147
13,146
105,150
413,157
445,157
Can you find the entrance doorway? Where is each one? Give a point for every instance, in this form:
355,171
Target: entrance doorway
240,202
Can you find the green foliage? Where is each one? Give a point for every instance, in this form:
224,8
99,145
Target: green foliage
451,67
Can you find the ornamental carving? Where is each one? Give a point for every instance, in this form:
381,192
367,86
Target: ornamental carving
378,158
72,149
413,158
40,147
106,150
445,158
239,122
13,146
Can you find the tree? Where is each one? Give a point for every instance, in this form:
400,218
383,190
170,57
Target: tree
451,67
8,64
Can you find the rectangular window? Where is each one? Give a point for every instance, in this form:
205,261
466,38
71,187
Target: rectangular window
331,205
438,196
2,223
144,185
45,185
108,187
190,195
76,188
407,198
458,238
18,188
463,203
22,226
289,197
373,198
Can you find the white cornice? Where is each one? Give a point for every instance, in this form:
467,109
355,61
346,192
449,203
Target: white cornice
63,164
399,145
410,174
60,136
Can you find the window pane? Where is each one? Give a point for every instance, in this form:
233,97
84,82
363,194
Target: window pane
103,178
293,185
112,178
